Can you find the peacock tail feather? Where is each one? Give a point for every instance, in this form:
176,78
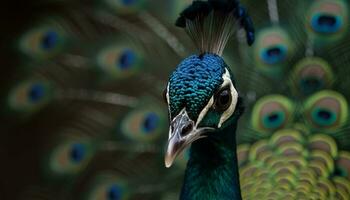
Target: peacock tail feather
295,165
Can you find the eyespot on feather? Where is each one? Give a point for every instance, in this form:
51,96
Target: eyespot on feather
272,49
29,96
68,158
310,75
326,110
327,21
272,112
42,42
119,61
144,124
107,186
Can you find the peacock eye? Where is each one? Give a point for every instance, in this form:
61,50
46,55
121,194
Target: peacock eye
223,100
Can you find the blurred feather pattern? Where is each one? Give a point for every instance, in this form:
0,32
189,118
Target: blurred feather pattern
83,116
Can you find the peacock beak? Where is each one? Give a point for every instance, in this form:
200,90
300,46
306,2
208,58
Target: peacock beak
182,133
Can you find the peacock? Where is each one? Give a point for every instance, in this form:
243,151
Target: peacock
87,101
204,105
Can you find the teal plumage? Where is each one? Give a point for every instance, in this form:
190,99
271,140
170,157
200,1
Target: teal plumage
193,82
215,175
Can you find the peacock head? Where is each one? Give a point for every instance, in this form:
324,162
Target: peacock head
202,100
201,93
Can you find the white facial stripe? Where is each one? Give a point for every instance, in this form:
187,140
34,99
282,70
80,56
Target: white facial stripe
167,94
205,110
168,99
234,94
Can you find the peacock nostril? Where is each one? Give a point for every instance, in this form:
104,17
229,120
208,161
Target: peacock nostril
186,129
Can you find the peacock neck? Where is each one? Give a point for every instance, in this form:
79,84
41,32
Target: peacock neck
212,170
